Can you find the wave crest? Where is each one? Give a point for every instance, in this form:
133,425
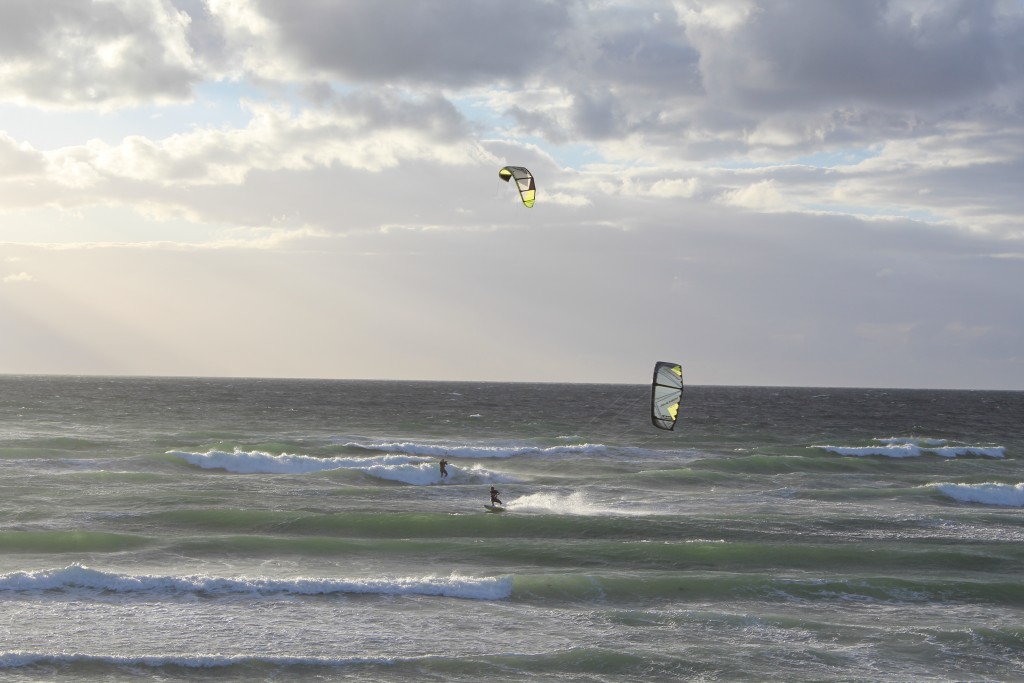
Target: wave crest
407,469
86,580
1007,495
477,452
913,447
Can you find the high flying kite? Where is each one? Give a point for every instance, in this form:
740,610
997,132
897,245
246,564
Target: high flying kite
524,181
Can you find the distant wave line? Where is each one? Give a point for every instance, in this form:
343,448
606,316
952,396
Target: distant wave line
479,452
82,578
261,462
913,447
21,658
413,470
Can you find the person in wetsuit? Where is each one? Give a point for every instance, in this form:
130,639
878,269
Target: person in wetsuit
494,497
443,465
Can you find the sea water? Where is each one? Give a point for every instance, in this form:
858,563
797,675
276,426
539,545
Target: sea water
238,530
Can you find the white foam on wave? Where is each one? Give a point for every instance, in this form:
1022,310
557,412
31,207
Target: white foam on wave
408,469
478,452
22,658
575,503
914,447
1007,495
86,580
260,462
916,441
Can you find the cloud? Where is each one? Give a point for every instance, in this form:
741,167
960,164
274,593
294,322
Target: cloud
433,42
675,187
760,196
18,277
368,132
68,54
793,55
18,159
841,178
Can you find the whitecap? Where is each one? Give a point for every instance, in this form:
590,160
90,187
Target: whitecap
86,580
22,658
416,470
476,451
913,447
576,503
1008,495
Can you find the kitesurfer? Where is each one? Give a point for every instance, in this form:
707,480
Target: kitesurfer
443,465
494,497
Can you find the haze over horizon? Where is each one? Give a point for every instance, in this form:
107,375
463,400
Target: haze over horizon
791,193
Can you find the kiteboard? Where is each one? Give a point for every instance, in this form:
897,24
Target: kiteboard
494,508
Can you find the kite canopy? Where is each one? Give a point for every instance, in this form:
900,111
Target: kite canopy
524,180
666,394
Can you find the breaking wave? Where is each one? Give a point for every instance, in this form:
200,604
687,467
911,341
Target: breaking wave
22,658
415,470
576,503
478,452
1007,495
84,580
903,447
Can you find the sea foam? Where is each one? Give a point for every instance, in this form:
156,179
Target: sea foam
477,452
905,447
260,462
22,658
575,503
78,578
408,469
1008,495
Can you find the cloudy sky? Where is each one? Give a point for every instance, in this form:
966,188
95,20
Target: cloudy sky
771,192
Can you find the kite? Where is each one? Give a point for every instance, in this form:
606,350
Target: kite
524,181
666,394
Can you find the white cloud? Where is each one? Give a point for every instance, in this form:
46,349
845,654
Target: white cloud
362,132
18,277
674,188
721,15
760,196
18,159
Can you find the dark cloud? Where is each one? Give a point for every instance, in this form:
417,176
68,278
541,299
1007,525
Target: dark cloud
823,73
206,38
985,195
797,53
388,109
26,26
429,42
597,115
651,56
809,74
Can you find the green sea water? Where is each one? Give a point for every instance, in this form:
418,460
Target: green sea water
236,530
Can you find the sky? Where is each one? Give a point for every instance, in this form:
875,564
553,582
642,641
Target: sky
777,193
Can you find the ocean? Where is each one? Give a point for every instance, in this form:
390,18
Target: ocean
294,530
